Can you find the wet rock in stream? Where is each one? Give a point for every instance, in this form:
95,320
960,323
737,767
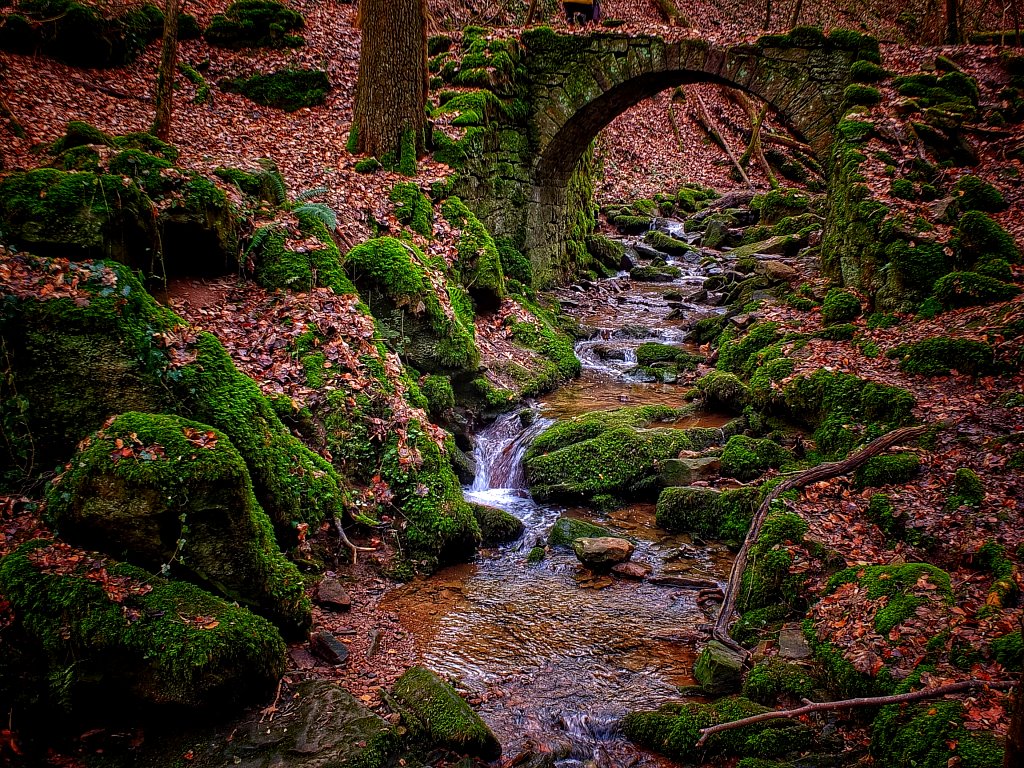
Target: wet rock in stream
600,554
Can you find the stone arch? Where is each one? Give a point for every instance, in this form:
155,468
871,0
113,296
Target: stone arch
580,84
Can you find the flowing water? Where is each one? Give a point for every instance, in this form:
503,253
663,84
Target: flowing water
551,655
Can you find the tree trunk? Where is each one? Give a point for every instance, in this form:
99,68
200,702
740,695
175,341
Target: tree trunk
391,88
767,15
794,18
952,22
531,12
168,65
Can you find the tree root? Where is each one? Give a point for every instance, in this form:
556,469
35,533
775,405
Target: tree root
872,701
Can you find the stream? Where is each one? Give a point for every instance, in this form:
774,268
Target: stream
549,654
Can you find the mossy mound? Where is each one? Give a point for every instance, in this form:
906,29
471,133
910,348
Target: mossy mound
436,714
653,274
392,280
547,335
576,458
479,263
892,469
162,490
896,583
932,735
941,355
968,289
839,307
746,458
496,525
79,356
256,24
674,730
109,634
706,512
735,350
287,89
80,34
276,264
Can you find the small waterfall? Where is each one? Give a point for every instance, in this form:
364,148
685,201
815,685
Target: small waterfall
500,449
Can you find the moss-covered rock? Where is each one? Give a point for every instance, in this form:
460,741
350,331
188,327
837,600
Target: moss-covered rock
706,512
767,580
653,274
112,634
281,258
392,280
608,252
967,489
734,351
255,24
413,208
166,491
496,525
770,678
746,457
723,391
979,239
967,289
576,458
840,307
932,735
436,714
479,263
718,669
667,244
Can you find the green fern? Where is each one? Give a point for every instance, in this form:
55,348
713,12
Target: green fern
274,189
259,237
320,211
309,194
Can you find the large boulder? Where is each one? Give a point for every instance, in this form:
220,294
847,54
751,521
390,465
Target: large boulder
105,633
567,529
165,491
688,470
436,714
496,525
600,554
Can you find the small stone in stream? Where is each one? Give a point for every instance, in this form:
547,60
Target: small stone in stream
636,571
793,644
697,297
328,647
684,582
777,270
719,669
672,295
601,553
330,594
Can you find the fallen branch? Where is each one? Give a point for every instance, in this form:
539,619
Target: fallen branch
785,141
108,91
814,474
871,701
708,124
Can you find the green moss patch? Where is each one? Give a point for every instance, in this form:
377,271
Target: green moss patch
932,735
892,469
967,289
767,580
746,458
413,208
896,583
479,263
287,89
774,677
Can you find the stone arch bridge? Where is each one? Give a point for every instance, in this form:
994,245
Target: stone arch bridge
578,84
